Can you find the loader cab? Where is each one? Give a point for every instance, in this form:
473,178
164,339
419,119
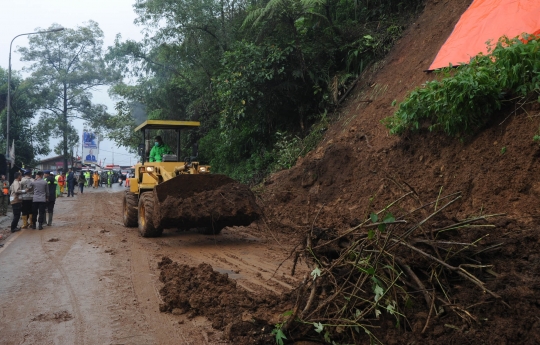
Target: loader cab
170,164
170,132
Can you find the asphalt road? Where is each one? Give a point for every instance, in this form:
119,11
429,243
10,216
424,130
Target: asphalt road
89,280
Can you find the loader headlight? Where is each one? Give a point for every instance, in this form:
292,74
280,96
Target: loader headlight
144,169
202,169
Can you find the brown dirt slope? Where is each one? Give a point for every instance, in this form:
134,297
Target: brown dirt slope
359,168
359,160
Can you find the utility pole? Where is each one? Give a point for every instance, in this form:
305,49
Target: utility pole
9,86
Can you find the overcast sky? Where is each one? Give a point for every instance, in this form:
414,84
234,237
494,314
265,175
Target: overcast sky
113,17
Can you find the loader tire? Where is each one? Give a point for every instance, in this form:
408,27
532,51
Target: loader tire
146,213
130,210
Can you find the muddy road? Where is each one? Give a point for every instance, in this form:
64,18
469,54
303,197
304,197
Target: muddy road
89,280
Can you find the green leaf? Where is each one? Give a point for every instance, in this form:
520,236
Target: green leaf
319,327
370,234
288,313
379,292
279,336
374,218
391,308
389,218
327,337
316,273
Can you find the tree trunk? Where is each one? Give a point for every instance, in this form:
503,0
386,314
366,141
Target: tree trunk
65,130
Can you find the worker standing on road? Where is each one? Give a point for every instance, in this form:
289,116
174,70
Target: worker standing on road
109,179
87,177
4,195
96,179
51,183
39,203
62,183
15,198
70,179
82,182
56,178
159,149
27,197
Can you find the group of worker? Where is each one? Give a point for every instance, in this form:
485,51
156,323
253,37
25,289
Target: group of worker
93,179
32,197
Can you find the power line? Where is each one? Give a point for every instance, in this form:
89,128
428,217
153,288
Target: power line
122,154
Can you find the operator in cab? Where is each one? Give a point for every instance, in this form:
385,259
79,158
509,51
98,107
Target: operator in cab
158,150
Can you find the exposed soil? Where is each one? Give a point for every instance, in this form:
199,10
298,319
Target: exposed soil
359,168
200,291
56,317
214,205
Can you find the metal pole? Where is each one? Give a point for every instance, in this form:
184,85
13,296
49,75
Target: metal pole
9,83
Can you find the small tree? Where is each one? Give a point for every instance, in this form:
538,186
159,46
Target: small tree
67,66
29,139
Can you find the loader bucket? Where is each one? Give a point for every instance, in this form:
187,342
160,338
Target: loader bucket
203,200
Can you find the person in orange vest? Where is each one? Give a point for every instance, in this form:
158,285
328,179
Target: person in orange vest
62,182
96,179
4,197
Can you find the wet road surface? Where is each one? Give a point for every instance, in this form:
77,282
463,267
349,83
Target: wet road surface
89,280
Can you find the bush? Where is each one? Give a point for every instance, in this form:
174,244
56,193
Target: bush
465,99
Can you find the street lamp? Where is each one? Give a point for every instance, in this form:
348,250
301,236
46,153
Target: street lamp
9,81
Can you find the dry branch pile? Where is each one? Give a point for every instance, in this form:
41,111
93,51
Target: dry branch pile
392,264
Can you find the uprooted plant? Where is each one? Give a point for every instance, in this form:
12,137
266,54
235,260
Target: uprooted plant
382,268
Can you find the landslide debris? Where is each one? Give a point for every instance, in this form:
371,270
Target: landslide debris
359,169
230,204
200,290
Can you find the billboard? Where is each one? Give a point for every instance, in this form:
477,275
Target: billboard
90,140
90,147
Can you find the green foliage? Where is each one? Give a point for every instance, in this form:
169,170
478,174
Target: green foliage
466,99
235,153
280,336
66,66
31,139
288,149
256,74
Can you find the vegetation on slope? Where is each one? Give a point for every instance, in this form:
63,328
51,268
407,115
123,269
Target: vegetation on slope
464,100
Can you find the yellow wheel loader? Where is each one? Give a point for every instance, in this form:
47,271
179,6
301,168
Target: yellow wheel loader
181,193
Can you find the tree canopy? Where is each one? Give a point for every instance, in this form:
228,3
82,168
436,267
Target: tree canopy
66,67
29,140
252,72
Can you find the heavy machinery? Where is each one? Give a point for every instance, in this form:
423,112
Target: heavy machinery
181,193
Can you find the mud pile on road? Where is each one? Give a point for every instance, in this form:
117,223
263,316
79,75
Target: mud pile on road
200,290
214,207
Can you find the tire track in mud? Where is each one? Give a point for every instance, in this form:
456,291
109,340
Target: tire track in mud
56,260
78,317
254,255
142,282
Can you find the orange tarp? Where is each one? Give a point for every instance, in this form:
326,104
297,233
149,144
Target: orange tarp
487,20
